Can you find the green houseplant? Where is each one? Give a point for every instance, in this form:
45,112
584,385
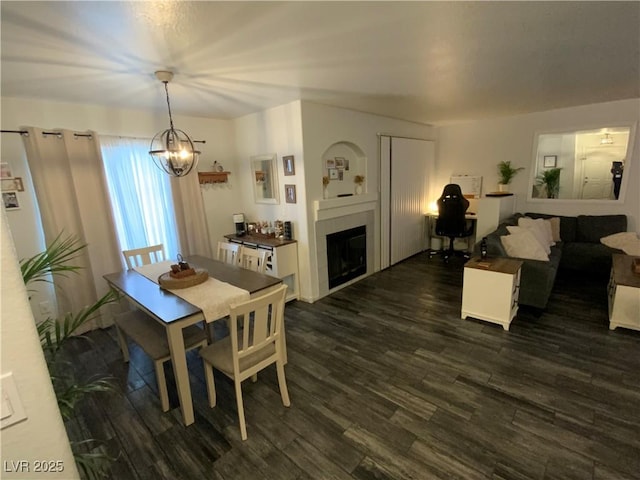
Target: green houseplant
551,181
54,334
506,172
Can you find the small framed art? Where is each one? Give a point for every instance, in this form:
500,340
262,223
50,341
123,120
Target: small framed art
289,165
13,183
10,200
290,193
550,161
333,174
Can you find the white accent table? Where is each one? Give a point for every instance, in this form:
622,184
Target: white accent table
490,290
624,294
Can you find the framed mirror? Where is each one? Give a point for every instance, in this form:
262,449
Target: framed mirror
586,164
264,179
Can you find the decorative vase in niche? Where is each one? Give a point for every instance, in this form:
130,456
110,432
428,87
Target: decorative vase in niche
325,193
358,189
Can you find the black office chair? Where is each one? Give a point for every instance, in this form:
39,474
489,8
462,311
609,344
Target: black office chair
451,221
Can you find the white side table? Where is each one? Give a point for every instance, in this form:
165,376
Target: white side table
490,290
624,294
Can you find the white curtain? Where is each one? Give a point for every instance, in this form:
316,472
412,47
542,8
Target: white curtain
68,178
192,221
141,196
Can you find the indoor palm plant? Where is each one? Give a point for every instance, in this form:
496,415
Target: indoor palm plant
506,172
54,334
551,181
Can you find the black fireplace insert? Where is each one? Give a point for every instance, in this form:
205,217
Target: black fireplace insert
346,255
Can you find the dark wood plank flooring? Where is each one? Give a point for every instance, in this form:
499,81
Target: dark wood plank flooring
387,382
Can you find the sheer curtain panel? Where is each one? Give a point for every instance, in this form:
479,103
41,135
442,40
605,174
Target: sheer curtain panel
72,198
141,196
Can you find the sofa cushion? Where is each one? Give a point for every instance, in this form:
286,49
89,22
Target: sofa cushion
590,258
591,228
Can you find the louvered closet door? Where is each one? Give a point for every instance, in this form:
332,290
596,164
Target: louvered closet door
407,165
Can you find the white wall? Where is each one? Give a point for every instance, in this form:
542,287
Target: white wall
475,148
324,126
42,435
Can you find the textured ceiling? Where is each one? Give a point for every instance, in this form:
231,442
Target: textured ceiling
429,62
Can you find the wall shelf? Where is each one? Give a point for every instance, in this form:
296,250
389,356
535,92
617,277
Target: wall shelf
213,177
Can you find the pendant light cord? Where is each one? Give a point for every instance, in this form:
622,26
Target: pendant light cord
166,89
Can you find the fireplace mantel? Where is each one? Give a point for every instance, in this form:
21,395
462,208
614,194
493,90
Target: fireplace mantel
341,206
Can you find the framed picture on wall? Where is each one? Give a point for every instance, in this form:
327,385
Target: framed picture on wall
289,165
10,200
290,193
331,163
550,161
333,174
14,183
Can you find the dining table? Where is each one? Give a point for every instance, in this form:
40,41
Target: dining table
228,284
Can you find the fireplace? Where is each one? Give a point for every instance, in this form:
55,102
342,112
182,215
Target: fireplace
346,255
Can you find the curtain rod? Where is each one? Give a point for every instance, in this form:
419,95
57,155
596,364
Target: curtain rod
24,132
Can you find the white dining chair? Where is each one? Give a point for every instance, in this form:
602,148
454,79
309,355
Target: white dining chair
147,332
229,252
253,259
250,349
137,257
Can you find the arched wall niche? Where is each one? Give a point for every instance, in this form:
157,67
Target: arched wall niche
341,162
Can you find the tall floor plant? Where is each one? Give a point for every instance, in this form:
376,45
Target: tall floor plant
57,259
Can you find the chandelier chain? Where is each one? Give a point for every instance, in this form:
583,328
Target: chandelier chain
166,89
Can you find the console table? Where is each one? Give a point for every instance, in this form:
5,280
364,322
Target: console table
282,258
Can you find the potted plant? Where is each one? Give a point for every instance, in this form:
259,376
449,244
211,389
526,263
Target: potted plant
551,181
325,184
358,180
506,172
92,459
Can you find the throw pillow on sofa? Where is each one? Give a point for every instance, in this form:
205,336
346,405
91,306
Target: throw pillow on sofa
541,227
554,222
628,242
538,234
523,245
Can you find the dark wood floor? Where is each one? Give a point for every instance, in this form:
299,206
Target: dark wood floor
387,382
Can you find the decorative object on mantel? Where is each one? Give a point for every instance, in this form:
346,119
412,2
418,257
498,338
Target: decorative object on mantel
216,167
358,180
506,172
325,187
213,177
172,150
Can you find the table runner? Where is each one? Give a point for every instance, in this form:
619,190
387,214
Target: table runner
213,297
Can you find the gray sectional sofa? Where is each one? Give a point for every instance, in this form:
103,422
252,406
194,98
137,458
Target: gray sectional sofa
580,250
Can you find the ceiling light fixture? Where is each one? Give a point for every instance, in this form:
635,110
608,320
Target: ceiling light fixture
606,140
172,150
